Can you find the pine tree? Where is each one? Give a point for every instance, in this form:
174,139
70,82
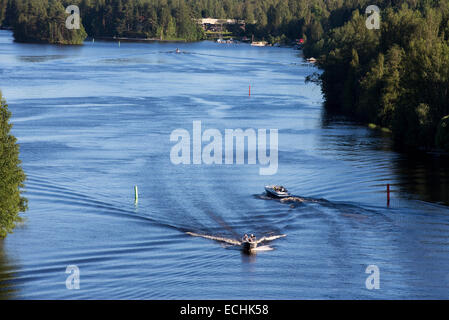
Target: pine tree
12,176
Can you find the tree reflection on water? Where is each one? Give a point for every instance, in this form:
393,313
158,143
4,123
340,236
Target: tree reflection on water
7,289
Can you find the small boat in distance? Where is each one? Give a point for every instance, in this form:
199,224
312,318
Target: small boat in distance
311,60
277,191
259,43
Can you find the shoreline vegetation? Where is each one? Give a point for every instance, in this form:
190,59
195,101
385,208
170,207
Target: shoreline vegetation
12,175
274,21
396,77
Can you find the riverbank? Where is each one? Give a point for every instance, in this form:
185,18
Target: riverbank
395,79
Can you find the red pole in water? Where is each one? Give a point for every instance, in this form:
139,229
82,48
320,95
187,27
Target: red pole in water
388,194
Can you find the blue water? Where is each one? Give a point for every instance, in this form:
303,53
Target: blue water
94,121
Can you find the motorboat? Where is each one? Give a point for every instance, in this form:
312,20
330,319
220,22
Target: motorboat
249,246
248,243
277,191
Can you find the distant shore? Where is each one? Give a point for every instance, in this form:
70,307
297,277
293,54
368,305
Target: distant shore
148,40
128,39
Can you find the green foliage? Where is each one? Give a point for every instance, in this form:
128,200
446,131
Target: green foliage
12,176
166,19
43,21
3,7
396,77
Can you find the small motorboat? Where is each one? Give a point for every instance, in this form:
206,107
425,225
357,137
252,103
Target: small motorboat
249,243
277,191
249,246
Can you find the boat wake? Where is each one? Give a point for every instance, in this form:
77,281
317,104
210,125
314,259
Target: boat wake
215,238
234,242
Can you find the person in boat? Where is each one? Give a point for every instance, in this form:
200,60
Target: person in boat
280,189
178,51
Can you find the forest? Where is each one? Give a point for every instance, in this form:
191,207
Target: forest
395,77
273,20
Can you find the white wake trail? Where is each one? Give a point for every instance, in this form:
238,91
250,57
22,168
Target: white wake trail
221,239
238,243
271,238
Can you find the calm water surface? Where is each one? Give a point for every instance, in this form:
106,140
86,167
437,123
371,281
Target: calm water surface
94,121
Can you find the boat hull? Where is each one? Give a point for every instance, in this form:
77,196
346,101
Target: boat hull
249,247
271,192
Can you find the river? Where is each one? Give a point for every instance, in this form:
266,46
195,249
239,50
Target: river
94,121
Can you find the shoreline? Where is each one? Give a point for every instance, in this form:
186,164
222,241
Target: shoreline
146,40
127,39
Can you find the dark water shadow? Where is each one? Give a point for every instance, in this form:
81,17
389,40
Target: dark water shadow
424,176
7,289
41,58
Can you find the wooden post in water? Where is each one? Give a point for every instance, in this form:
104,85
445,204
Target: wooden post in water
388,194
136,195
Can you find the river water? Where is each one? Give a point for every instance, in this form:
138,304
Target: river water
94,121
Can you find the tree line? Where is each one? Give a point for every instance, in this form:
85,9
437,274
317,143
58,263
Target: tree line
272,20
396,77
